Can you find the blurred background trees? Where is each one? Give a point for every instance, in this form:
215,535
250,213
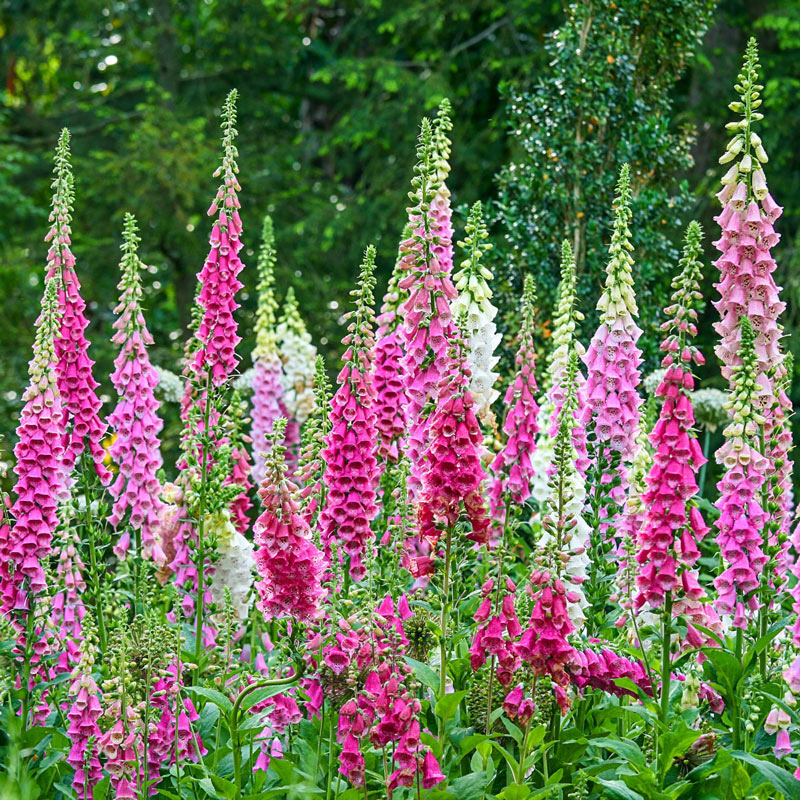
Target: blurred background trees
331,93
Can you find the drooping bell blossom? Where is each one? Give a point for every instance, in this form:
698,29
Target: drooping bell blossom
600,668
39,467
384,711
268,372
350,454
747,289
80,404
668,544
427,325
742,518
135,422
563,342
234,566
67,608
610,397
83,730
453,474
311,466
298,355
563,543
288,563
513,467
544,644
474,306
217,330
390,393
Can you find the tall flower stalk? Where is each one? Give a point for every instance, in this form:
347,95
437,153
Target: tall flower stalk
80,404
268,371
513,466
428,325
136,448
474,304
668,549
350,455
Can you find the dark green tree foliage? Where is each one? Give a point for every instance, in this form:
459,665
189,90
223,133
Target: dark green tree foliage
604,100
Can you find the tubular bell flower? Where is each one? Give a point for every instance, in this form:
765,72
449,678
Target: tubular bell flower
747,289
742,517
216,333
668,543
288,563
135,420
267,369
441,212
76,384
512,467
351,471
610,394
565,533
428,324
474,303
40,467
390,393
565,324
453,472
298,356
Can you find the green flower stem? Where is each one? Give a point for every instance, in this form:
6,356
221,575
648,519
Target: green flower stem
445,609
201,552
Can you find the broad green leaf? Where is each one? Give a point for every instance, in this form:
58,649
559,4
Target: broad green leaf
674,742
262,694
213,695
469,787
447,705
778,777
616,790
424,673
624,748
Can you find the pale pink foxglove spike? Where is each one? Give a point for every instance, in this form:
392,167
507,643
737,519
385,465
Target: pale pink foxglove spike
135,449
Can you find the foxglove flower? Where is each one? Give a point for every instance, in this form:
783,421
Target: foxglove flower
217,332
428,324
298,355
513,466
742,517
267,369
565,533
390,393
234,567
747,288
40,467
563,342
288,563
610,396
350,454
668,542
474,306
135,421
76,384
453,473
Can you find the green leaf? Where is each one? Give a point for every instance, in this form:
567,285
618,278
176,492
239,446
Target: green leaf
515,792
260,695
624,748
778,777
469,787
424,673
101,789
213,695
618,790
673,742
447,705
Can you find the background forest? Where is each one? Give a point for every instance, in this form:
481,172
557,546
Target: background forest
547,103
